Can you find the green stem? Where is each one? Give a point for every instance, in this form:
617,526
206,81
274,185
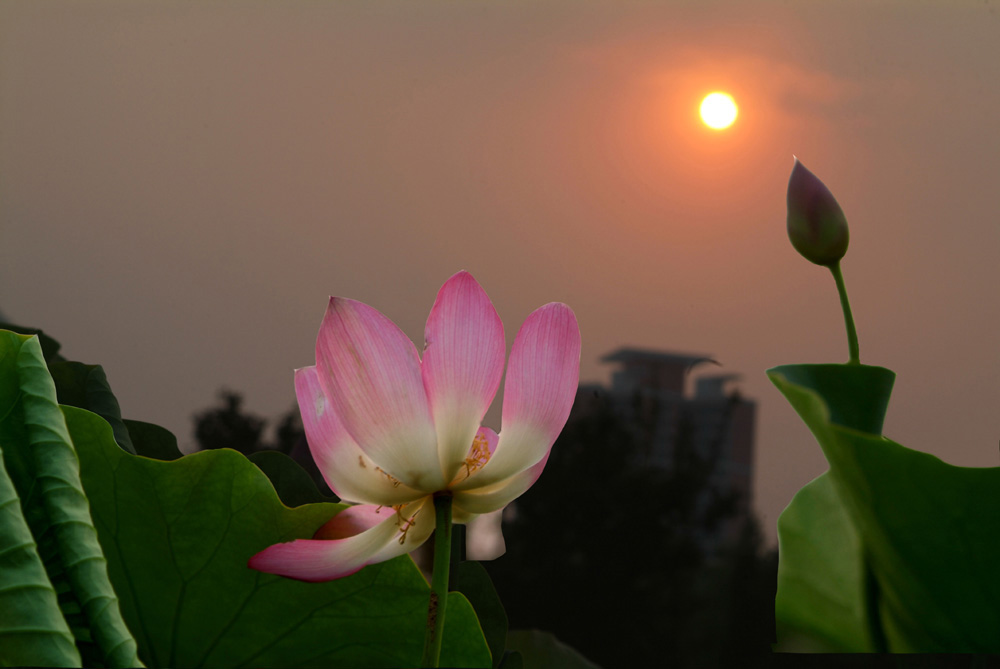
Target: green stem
439,580
852,333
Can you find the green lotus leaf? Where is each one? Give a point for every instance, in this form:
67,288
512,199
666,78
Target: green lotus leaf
540,650
32,627
40,459
178,535
512,659
50,347
86,387
472,579
463,644
820,603
292,483
152,441
928,531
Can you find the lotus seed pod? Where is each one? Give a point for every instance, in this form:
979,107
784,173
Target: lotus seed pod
817,226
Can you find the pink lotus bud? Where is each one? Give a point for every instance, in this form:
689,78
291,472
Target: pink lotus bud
817,226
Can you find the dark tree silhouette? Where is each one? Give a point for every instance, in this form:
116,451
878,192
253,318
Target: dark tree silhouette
289,432
229,426
611,554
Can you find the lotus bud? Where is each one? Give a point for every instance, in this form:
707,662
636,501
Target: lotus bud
817,226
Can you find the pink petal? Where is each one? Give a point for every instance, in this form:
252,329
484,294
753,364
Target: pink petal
364,535
497,495
542,378
352,521
348,471
462,365
370,372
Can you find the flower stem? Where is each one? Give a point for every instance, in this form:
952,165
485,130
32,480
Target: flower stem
439,580
852,333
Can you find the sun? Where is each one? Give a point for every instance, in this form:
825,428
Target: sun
718,110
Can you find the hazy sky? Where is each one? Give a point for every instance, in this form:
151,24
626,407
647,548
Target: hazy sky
183,184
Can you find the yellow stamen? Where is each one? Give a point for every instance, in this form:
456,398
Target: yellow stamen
479,455
395,507
395,481
404,524
406,528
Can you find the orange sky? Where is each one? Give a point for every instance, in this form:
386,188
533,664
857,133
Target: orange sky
182,186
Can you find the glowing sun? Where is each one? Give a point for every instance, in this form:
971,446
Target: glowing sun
718,110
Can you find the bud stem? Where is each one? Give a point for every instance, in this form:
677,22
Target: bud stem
439,581
852,333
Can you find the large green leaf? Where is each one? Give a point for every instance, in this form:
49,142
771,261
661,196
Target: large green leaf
929,532
178,536
50,347
152,441
86,387
463,644
472,579
33,631
292,483
820,605
44,470
542,650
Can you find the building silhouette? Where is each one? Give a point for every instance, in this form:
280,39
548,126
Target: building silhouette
714,424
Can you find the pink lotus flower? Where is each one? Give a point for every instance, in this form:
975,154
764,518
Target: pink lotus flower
389,430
